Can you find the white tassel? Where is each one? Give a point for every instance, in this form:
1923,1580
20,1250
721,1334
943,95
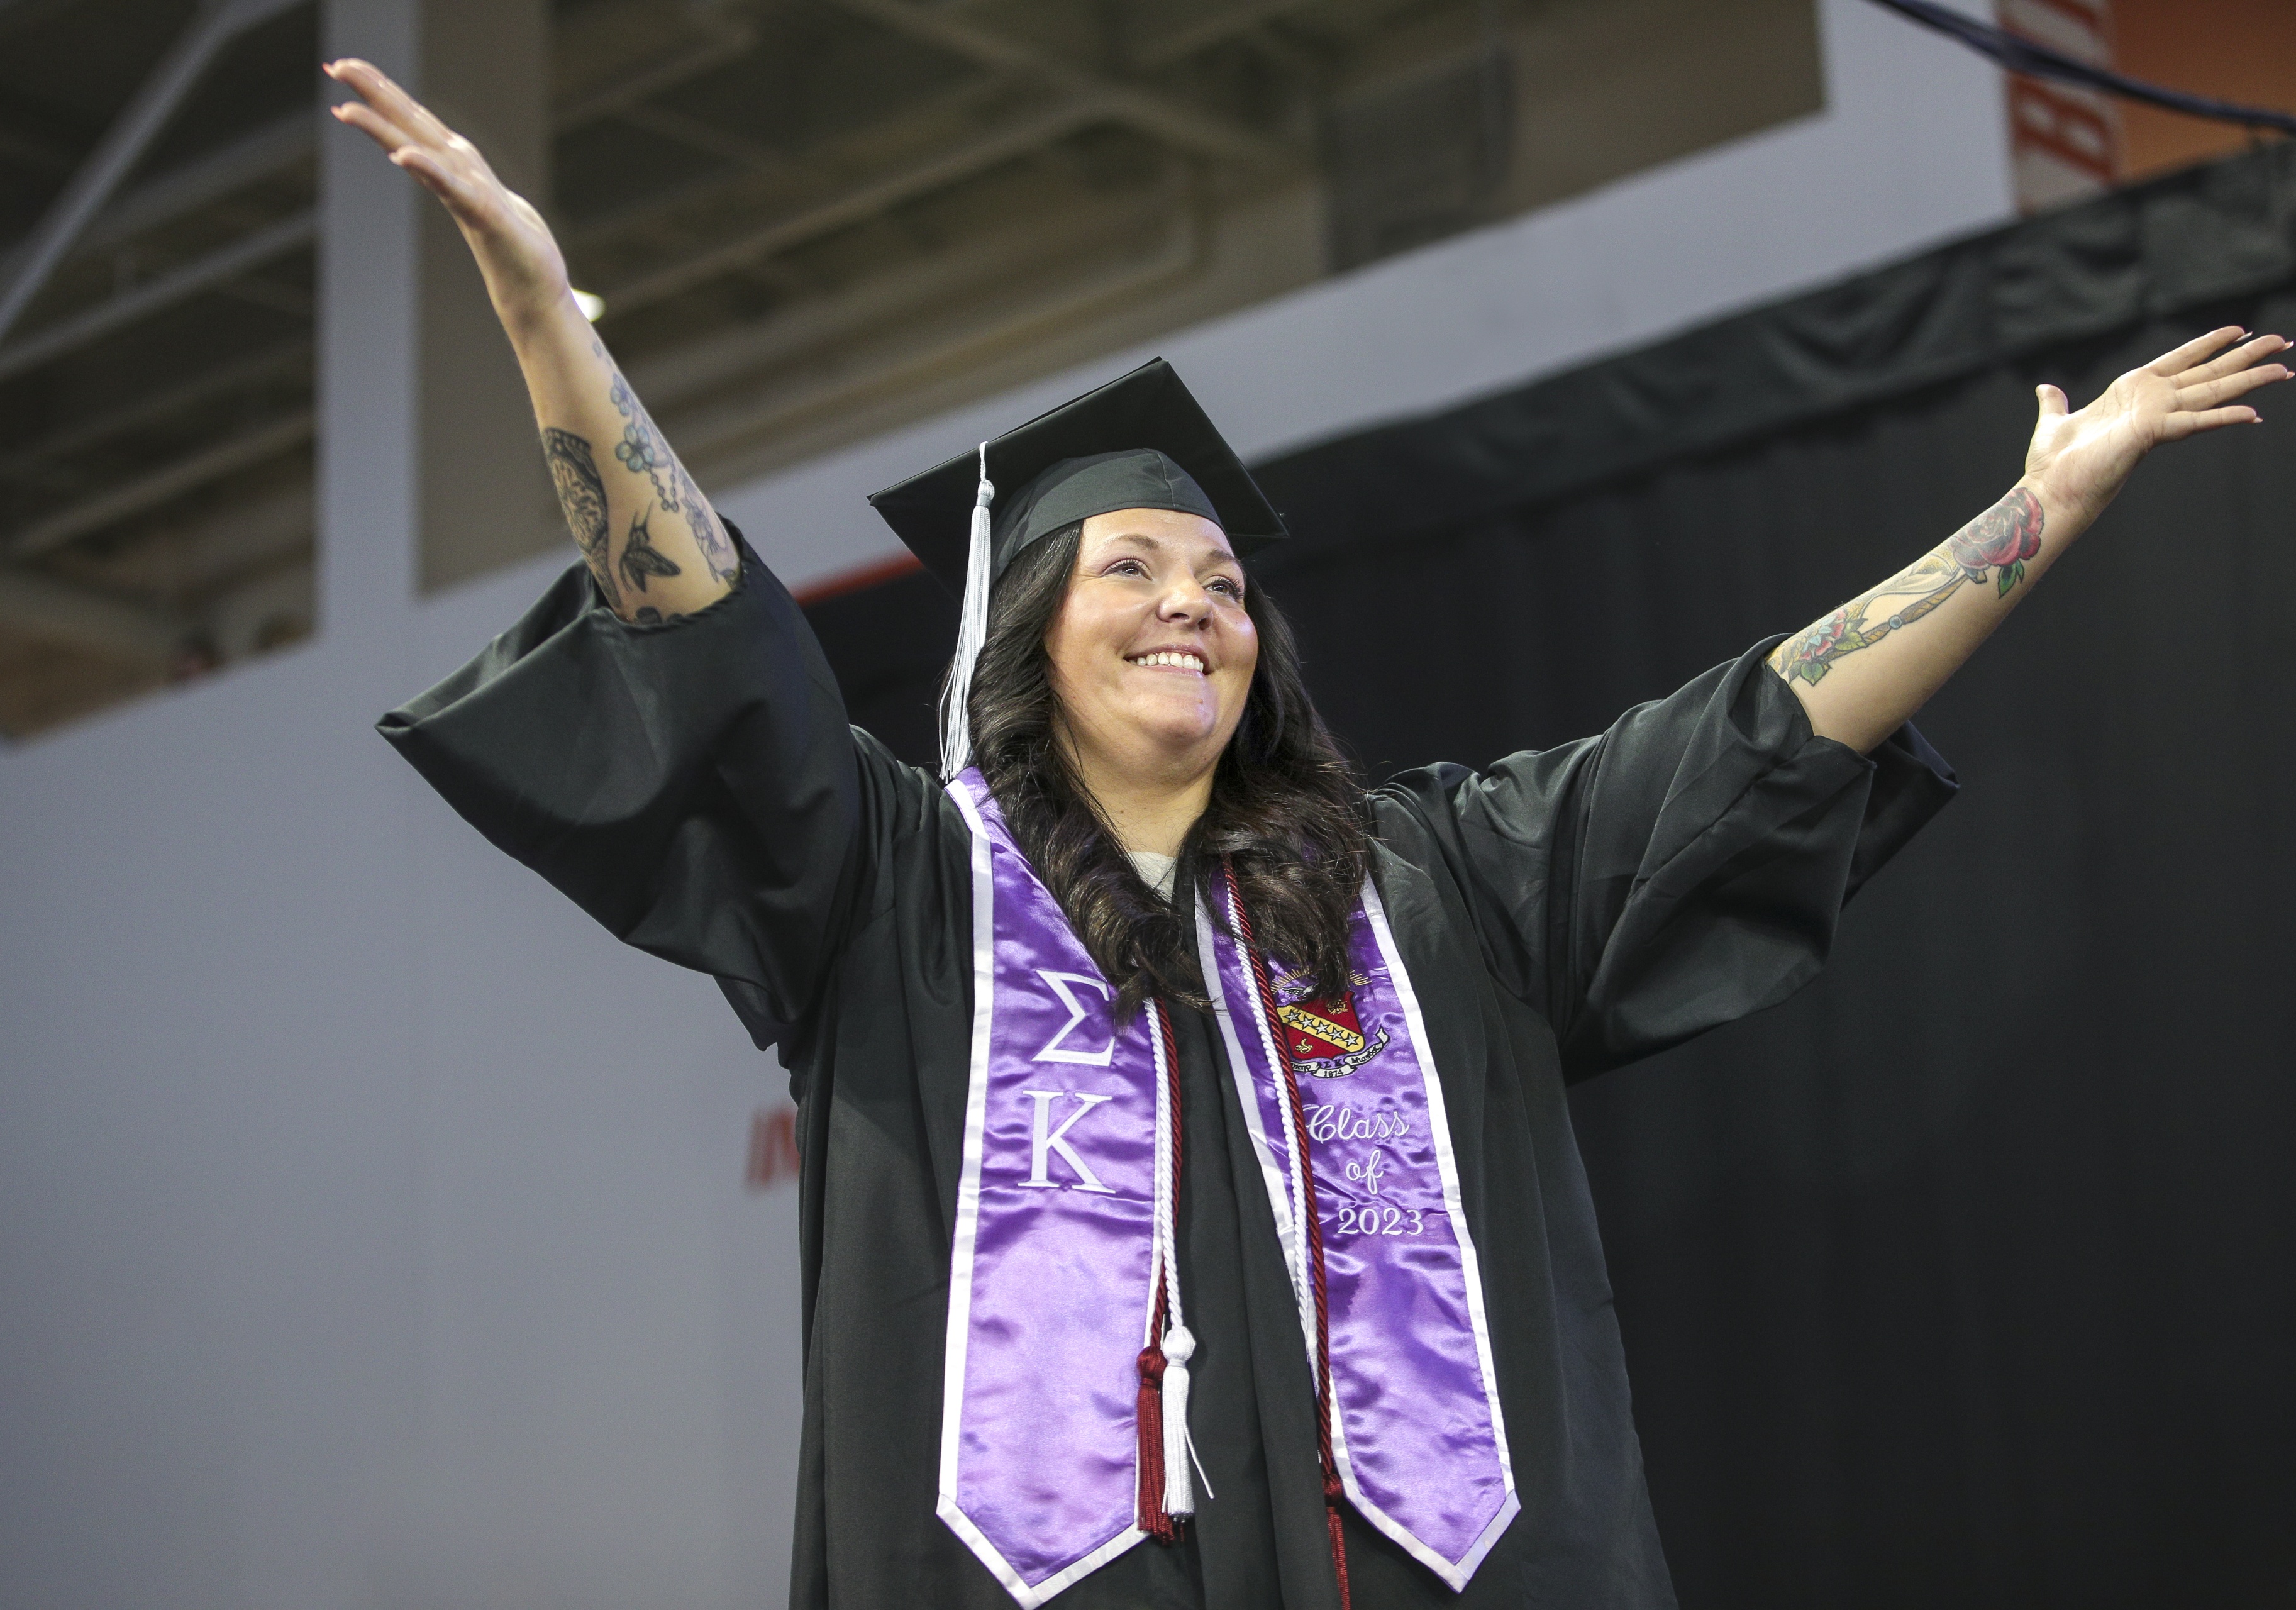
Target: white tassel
1178,1345
972,632
1179,1495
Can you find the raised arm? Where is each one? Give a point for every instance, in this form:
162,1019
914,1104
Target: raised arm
652,541
1867,666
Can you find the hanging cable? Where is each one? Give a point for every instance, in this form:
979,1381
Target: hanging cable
2034,60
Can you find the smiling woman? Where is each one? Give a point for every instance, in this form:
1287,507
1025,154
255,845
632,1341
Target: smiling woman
1151,651
1244,1220
1124,653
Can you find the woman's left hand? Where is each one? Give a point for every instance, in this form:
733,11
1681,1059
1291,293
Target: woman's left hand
1895,645
2078,460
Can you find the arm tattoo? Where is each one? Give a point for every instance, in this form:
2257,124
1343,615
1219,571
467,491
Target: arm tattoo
1998,541
643,452
2006,535
582,494
709,531
639,557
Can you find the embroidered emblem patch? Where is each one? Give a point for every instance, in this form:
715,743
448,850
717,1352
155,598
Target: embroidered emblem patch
1327,1040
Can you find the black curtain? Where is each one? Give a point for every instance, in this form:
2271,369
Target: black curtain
1969,1276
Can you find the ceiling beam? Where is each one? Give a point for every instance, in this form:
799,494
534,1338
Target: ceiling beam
188,558
192,184
862,201
145,407
1170,120
186,188
171,479
1216,22
838,156
726,355
40,605
68,334
179,68
295,301
730,42
1291,56
708,139
801,417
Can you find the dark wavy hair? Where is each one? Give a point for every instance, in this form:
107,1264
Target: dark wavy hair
1285,808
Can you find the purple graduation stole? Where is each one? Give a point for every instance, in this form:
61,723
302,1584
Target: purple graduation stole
1066,1342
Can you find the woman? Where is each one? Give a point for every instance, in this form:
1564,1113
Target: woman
1190,1210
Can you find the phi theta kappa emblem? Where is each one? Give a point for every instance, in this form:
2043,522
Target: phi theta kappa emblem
1327,1040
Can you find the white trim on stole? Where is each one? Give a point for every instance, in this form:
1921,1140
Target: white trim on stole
968,1227
1438,1125
1289,1203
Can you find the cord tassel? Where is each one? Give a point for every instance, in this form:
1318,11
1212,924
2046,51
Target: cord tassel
1153,1518
1339,1538
1164,1440
972,632
1179,1491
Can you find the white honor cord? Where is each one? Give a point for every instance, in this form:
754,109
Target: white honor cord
1178,1345
972,632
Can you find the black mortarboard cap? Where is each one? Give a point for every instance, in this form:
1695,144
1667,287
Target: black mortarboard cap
1138,442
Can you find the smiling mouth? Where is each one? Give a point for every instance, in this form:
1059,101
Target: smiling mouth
1169,660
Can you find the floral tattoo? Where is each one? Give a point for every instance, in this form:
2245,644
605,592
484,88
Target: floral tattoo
643,452
2005,536
1993,545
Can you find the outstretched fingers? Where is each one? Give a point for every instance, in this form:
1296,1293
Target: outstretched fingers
2241,359
373,124
2214,393
2176,427
416,142
374,87
2171,365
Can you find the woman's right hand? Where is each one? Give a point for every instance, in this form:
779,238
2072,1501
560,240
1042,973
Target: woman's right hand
652,539
525,271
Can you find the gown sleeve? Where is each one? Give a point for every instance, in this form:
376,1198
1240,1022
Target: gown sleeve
692,785
1685,868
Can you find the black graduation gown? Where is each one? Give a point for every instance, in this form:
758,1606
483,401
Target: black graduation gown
696,787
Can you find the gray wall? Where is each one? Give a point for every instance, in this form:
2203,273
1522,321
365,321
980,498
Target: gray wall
373,1230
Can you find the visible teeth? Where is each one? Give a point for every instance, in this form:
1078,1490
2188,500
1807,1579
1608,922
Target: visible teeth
1188,662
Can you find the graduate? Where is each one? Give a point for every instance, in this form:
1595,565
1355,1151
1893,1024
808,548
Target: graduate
1190,1210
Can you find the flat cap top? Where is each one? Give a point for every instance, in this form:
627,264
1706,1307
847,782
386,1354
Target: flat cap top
1139,442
